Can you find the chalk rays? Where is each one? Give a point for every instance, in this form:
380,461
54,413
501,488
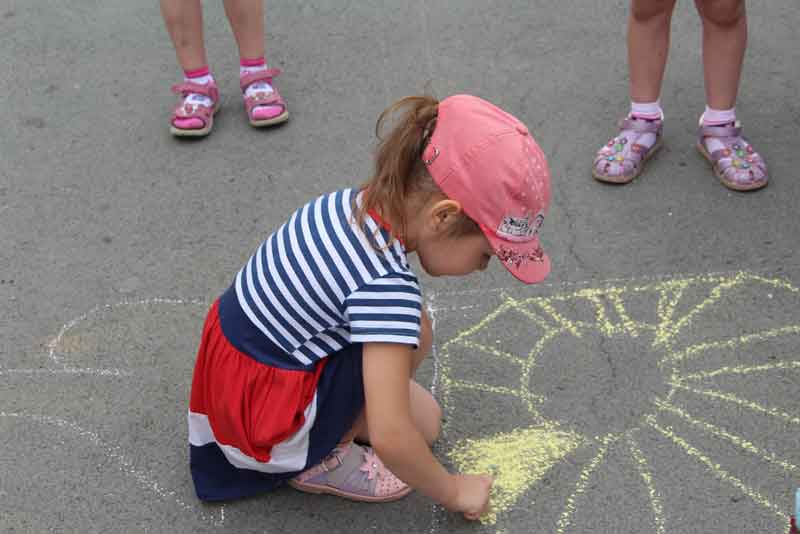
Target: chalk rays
690,366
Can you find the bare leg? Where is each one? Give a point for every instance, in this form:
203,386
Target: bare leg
184,21
425,412
622,158
648,45
247,21
737,164
724,43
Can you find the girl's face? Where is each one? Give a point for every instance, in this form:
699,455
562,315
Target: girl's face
454,256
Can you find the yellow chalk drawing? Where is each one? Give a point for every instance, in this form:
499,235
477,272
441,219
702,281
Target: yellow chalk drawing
740,370
754,406
722,433
717,469
517,460
693,350
671,329
521,456
583,481
644,471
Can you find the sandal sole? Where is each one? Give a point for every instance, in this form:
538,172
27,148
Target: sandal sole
283,117
199,132
622,179
735,186
327,490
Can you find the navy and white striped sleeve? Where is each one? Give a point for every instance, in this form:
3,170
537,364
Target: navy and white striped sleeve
385,310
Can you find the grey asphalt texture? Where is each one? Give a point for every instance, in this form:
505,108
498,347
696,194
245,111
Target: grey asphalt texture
672,310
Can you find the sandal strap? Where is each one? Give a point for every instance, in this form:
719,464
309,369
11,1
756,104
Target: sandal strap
265,75
349,475
206,89
721,131
187,110
264,99
640,125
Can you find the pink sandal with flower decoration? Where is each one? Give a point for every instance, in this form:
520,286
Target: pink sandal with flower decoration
264,108
193,119
738,166
614,164
353,472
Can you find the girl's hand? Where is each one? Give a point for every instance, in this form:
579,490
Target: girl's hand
472,495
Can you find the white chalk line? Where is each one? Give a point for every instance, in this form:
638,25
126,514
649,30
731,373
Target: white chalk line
113,453
68,371
437,511
107,372
123,462
53,344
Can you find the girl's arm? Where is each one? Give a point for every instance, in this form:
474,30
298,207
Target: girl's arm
397,441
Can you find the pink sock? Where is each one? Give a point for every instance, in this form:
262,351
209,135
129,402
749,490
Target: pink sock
202,73
201,76
248,66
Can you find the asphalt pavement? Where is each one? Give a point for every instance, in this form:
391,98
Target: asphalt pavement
650,385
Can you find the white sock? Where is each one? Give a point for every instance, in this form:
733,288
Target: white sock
195,98
646,110
255,87
717,117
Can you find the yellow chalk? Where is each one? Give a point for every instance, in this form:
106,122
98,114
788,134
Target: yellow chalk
517,460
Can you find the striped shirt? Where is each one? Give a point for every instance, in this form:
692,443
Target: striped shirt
319,284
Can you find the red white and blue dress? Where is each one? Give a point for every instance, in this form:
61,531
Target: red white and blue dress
278,380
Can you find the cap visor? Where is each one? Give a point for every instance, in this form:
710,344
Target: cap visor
521,263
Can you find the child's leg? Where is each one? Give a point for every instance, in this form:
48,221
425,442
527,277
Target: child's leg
724,42
734,161
247,22
184,21
263,103
194,114
622,158
425,412
648,45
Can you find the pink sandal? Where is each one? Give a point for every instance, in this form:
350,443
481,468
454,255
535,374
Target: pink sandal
353,472
612,163
194,120
738,166
263,108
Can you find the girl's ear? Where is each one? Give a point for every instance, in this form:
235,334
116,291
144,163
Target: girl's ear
444,214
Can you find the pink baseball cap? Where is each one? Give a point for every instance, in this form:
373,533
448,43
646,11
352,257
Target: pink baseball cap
486,159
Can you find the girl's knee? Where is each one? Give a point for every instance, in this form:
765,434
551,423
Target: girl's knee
724,13
645,10
435,423
426,412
